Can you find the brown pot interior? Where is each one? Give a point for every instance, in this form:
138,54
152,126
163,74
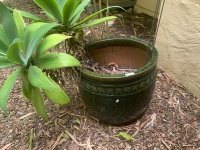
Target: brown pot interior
123,56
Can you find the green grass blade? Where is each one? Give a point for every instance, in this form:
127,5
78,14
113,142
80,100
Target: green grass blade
8,23
39,34
49,42
51,7
97,21
7,88
56,60
58,96
5,63
38,79
68,10
38,102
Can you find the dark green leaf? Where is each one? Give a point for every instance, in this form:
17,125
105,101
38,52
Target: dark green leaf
8,23
68,10
7,88
25,84
51,7
38,102
56,60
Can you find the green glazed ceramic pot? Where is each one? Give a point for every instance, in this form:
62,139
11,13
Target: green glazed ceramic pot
119,99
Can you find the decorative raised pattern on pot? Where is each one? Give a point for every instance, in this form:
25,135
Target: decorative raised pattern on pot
119,90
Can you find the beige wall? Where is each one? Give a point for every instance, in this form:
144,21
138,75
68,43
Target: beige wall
145,6
178,42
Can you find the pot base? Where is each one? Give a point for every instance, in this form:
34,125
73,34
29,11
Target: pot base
139,115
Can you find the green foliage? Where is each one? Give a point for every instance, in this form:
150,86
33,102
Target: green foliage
67,14
26,48
126,136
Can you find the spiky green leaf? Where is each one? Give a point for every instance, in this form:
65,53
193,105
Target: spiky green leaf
56,60
7,88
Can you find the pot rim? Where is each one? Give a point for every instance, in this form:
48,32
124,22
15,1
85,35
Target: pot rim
148,67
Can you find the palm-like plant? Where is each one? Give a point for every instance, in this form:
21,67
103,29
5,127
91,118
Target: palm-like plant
26,49
67,13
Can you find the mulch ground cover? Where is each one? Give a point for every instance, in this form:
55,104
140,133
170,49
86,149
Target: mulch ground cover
172,121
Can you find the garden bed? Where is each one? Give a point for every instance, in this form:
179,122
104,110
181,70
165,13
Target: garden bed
171,122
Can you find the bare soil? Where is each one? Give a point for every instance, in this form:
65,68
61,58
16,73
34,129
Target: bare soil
172,121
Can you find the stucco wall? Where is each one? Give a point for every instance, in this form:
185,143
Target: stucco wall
178,42
145,6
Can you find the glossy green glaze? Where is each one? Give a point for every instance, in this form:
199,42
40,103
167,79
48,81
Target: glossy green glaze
119,99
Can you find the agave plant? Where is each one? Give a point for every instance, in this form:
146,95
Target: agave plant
67,13
26,49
